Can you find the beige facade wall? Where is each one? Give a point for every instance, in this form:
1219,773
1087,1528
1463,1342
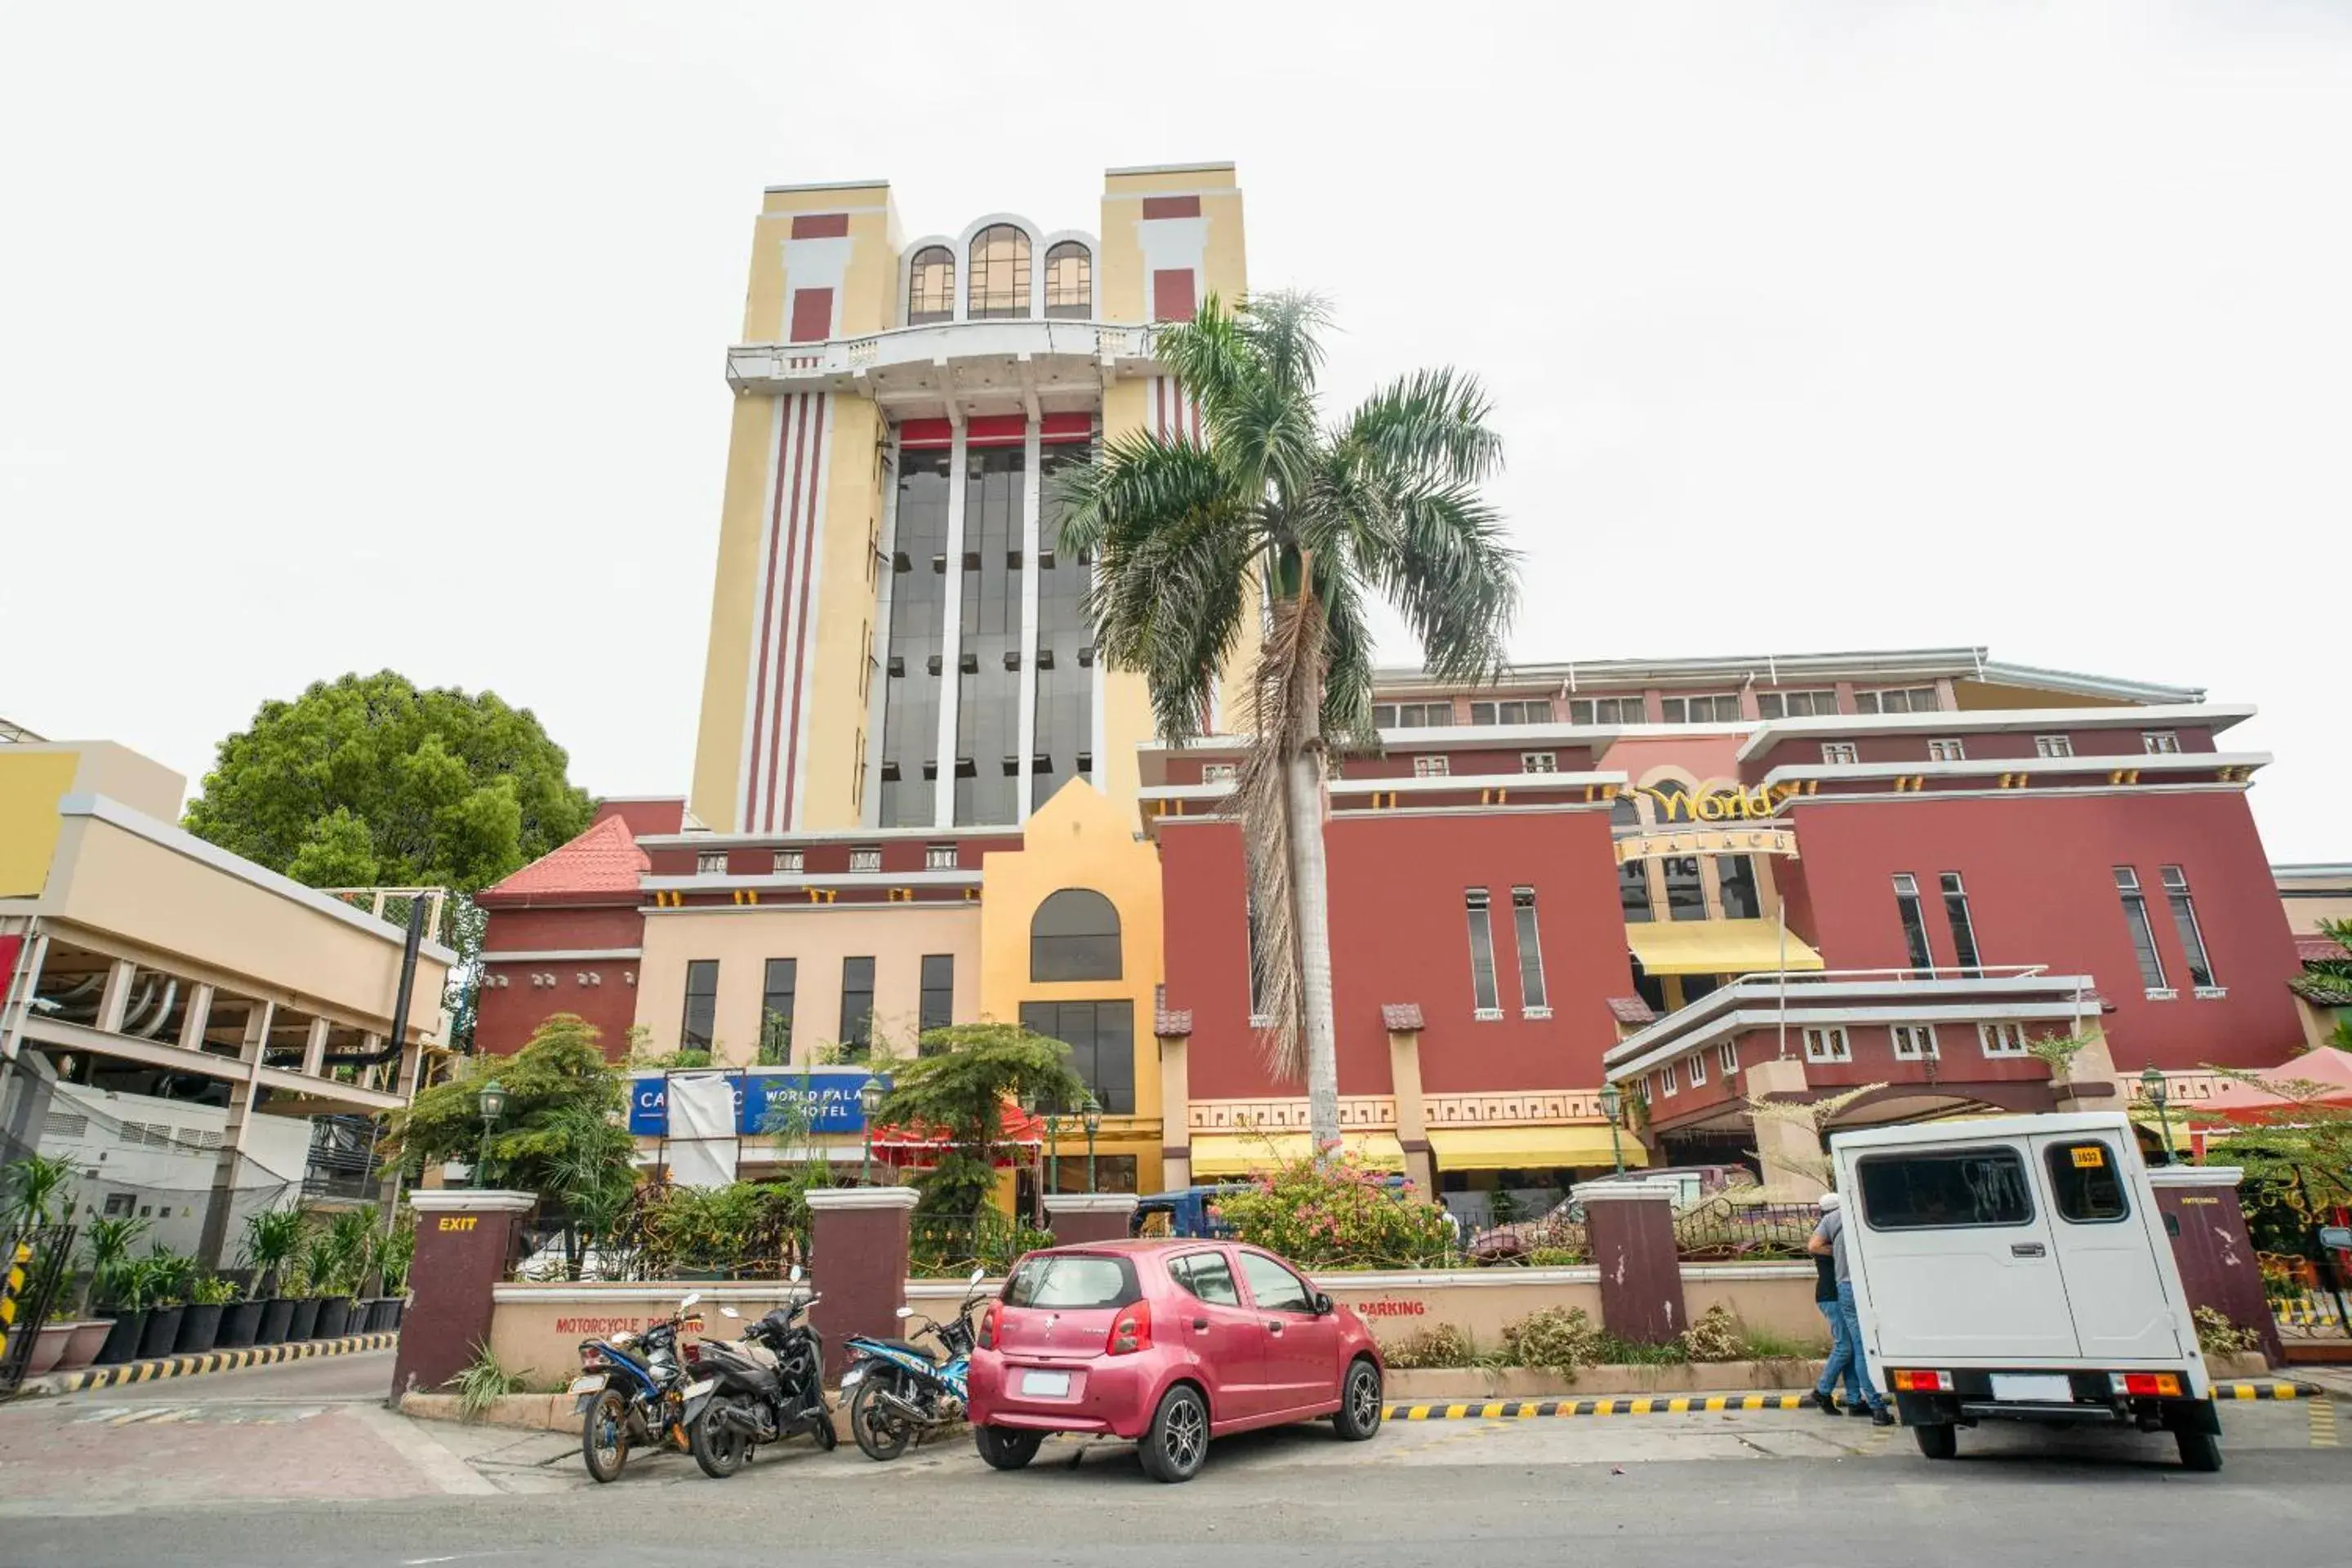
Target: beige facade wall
833,779
2305,913
743,939
1122,290
734,605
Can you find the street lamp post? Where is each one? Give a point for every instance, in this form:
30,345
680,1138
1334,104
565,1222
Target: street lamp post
490,1100
869,1101
1612,1104
1091,1119
2154,1089
1053,1148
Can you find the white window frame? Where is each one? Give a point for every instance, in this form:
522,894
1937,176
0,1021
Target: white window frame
1433,766
1874,700
787,863
939,857
710,863
1920,1039
1697,1061
1726,1056
1667,1078
2181,905
2053,746
1538,761
1479,904
1616,707
1677,709
867,857
1947,751
1828,1045
1525,937
1220,772
2160,743
1840,754
2002,1041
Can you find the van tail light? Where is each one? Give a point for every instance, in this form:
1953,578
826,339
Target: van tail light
1131,1330
2152,1384
1921,1382
989,1321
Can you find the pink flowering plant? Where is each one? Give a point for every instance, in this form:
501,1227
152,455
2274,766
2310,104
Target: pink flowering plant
1341,1213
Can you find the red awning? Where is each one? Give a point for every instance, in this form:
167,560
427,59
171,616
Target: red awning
2327,1069
1019,1127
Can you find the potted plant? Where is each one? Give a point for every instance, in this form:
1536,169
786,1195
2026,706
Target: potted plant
200,1320
165,1276
302,1320
113,1283
351,1237
322,1259
35,1194
271,1239
394,1252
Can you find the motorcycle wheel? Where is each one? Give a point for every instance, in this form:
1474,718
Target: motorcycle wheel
719,1448
605,1436
881,1434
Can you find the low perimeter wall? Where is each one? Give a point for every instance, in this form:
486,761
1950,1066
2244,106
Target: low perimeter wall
537,1329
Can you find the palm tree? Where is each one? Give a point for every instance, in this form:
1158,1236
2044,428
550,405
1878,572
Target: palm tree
1317,517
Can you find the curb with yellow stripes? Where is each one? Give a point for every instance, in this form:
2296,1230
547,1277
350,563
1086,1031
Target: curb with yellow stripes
1688,1403
210,1361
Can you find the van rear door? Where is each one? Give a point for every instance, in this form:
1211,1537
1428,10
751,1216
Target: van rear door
2105,1250
1957,1257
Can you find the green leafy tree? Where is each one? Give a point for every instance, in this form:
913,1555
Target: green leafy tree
2297,1155
368,780
559,1092
1321,516
959,1085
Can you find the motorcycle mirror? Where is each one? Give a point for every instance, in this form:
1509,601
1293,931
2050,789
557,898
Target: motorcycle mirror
729,1312
796,1273
978,1275
691,1297
906,1311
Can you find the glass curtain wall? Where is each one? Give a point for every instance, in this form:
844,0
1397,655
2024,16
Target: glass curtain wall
988,699
1065,677
911,701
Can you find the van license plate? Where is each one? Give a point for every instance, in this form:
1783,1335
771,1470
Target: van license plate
1047,1384
2034,1390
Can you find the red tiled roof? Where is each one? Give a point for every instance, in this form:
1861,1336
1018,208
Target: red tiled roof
1173,1024
1631,1010
2318,948
1401,1017
602,863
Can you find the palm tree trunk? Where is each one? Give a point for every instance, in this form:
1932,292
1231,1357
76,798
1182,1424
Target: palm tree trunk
1311,920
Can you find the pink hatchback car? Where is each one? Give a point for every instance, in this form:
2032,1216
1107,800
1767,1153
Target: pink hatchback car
1169,1342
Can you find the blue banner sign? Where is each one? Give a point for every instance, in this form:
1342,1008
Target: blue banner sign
829,1095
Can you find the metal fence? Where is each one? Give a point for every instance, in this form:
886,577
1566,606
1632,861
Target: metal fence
951,1248
1727,1228
748,1230
33,1272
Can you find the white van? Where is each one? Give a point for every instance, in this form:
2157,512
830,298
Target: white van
2016,1268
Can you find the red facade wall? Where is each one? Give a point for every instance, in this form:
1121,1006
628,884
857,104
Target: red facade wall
507,1014
559,929
1400,933
2039,870
2121,744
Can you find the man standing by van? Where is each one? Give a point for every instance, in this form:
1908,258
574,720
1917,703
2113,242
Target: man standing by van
1828,1240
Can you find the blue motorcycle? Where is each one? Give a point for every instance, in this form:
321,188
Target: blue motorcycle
898,1391
632,1391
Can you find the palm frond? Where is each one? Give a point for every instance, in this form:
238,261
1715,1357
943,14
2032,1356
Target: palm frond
1453,576
1432,421
1283,329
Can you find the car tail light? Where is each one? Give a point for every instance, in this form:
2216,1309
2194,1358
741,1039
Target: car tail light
2152,1384
988,1324
1922,1382
1131,1330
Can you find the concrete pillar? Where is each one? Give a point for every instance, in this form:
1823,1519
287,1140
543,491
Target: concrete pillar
1790,1151
1175,1100
2089,1082
1404,1024
1631,1225
2219,1269
197,1018
115,1000
212,1240
857,1262
465,1239
1089,1216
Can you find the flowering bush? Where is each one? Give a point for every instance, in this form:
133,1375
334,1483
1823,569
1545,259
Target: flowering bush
1340,1214
1715,1337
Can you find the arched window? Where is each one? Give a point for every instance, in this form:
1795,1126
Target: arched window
1000,273
1074,935
930,286
1625,812
1069,282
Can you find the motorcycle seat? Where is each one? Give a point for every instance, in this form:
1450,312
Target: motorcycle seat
909,1345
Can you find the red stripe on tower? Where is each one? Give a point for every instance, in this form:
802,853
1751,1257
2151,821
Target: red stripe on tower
807,611
766,611
798,416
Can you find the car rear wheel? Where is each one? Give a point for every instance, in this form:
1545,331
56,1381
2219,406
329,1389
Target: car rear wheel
1361,1406
1177,1439
1941,1441
1004,1449
2198,1451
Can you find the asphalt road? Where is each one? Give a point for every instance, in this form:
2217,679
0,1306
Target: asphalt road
285,1474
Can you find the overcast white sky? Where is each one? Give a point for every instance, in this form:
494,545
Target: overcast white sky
337,338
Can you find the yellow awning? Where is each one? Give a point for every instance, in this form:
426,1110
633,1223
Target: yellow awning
1530,1148
1717,947
1239,1153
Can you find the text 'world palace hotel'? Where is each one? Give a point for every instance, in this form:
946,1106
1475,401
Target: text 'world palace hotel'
919,797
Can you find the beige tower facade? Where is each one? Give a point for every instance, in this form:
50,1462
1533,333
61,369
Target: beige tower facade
896,640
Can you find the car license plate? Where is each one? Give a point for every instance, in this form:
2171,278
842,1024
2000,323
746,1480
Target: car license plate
1047,1384
697,1390
586,1384
2008,1386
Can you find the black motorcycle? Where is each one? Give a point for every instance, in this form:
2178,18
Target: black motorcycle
762,1388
